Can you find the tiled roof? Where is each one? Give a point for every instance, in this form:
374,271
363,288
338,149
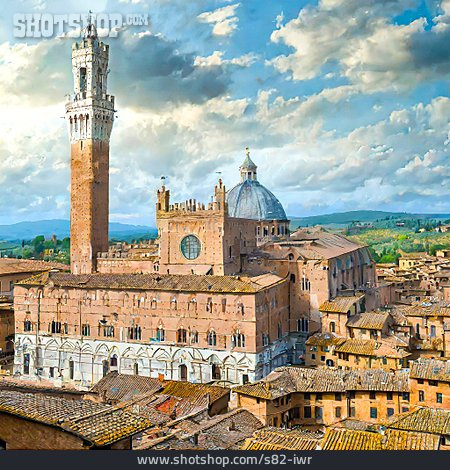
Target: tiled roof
155,281
324,339
97,423
16,266
194,391
392,439
431,420
364,347
370,347
368,320
286,380
431,369
340,304
425,309
282,439
121,387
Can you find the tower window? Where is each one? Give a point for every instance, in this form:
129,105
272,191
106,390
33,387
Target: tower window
82,79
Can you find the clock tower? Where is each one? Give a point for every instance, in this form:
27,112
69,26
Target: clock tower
90,116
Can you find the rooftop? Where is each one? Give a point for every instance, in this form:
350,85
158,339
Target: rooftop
164,282
16,266
282,439
368,320
431,369
429,420
194,391
425,309
392,439
96,423
121,387
286,380
340,304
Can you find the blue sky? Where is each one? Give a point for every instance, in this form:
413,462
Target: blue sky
343,103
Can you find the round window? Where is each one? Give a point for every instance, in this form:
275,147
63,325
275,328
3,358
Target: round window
191,247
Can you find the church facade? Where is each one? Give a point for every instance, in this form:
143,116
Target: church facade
223,294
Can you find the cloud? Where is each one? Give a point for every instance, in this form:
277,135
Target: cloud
366,47
223,19
216,60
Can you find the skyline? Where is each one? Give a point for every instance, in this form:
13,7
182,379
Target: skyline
349,117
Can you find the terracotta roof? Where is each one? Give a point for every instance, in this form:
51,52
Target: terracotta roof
324,339
121,387
286,380
347,439
340,304
16,266
282,439
97,423
430,420
370,347
368,320
425,309
431,369
155,281
194,391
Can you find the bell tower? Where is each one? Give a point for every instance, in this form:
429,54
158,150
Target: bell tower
90,116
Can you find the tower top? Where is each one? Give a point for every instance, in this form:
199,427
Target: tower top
90,32
248,168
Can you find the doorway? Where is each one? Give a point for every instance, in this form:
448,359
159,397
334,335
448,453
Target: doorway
183,372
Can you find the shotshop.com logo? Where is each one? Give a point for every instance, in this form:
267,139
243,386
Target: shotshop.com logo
46,25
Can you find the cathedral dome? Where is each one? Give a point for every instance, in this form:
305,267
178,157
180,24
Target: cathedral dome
250,199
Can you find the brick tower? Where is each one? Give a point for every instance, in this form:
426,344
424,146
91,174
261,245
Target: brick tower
90,116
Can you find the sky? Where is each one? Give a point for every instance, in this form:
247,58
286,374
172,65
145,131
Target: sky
344,105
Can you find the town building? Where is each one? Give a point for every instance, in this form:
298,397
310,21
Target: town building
34,421
297,396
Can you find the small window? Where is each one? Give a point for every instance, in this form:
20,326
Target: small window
373,413
337,412
318,396
160,334
421,395
389,396
318,412
372,395
390,412
438,397
405,396
333,327
181,335
307,412
433,383
405,409
338,396
420,381
307,396
313,356
212,338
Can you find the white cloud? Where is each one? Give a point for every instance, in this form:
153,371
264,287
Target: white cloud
371,52
223,19
216,60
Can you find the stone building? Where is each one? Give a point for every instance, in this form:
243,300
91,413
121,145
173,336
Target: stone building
188,327
90,116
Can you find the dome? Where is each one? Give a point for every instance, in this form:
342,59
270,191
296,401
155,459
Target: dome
251,200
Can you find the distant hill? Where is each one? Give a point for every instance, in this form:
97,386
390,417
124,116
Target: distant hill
61,228
342,219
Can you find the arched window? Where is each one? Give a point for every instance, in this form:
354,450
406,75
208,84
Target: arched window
212,338
292,277
240,308
290,257
173,303
209,305
433,331
154,303
160,334
181,335
194,336
192,305
27,325
238,340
